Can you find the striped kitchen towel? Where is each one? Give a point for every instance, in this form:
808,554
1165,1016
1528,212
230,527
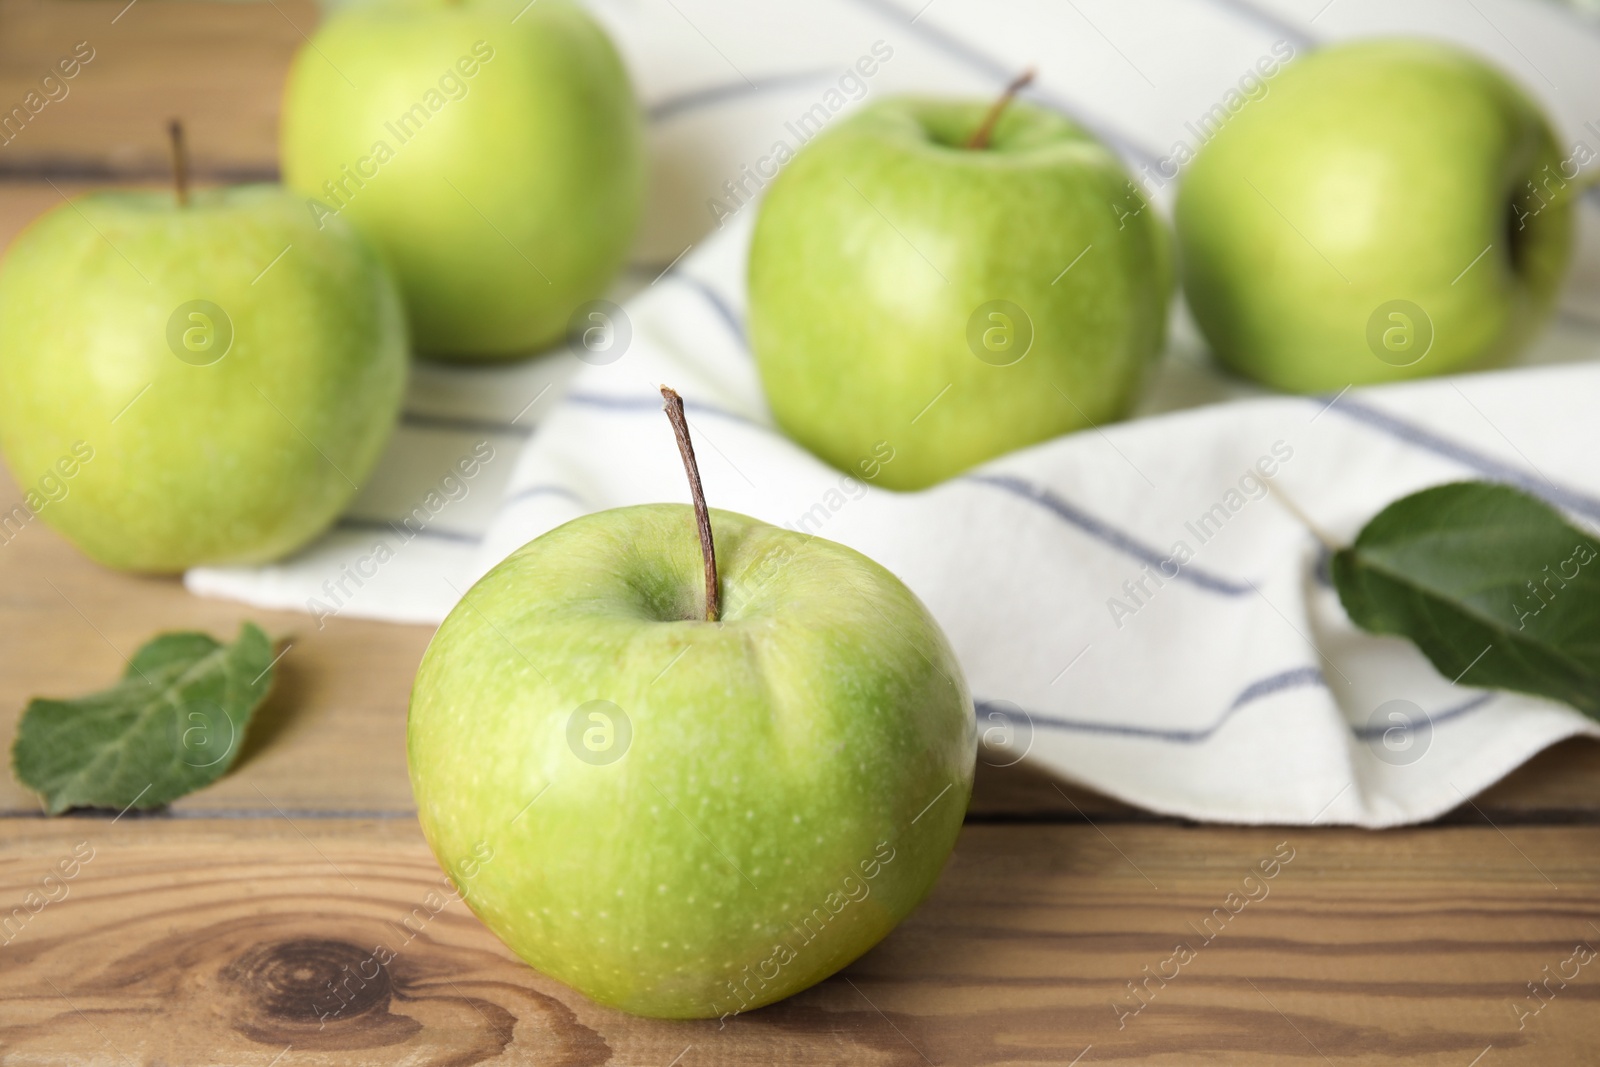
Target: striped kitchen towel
1133,609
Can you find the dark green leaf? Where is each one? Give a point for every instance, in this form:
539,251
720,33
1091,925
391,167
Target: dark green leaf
173,723
1493,585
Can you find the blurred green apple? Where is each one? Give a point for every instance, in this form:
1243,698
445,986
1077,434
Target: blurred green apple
205,383
1391,209
685,818
492,149
952,303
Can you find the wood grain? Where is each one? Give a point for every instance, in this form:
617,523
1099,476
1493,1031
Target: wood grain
187,942
217,66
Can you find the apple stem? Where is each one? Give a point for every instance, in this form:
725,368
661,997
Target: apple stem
702,517
180,163
980,136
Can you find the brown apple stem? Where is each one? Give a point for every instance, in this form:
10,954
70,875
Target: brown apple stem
980,136
702,517
180,163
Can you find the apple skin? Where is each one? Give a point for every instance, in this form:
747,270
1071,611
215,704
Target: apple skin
1399,161
544,150
855,332
789,751
211,463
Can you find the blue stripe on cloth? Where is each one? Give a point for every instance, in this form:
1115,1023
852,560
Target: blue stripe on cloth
532,491
1108,534
1373,733
653,404
1268,21
1572,318
462,423
1294,678
392,526
1002,74
718,304
1322,567
1411,433
712,95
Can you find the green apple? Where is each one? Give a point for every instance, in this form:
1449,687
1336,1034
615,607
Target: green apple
683,818
197,383
1390,209
950,304
492,149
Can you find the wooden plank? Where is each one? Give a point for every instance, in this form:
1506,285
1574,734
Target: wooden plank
219,67
214,941
1562,782
21,203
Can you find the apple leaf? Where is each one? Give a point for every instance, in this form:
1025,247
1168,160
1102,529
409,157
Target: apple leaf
173,724
1493,585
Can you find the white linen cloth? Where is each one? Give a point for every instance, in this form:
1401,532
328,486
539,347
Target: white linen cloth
1235,691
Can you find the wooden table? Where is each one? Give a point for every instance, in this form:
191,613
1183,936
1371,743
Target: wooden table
207,933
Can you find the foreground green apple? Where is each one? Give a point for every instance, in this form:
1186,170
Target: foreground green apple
678,817
943,304
1391,209
491,148
205,383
